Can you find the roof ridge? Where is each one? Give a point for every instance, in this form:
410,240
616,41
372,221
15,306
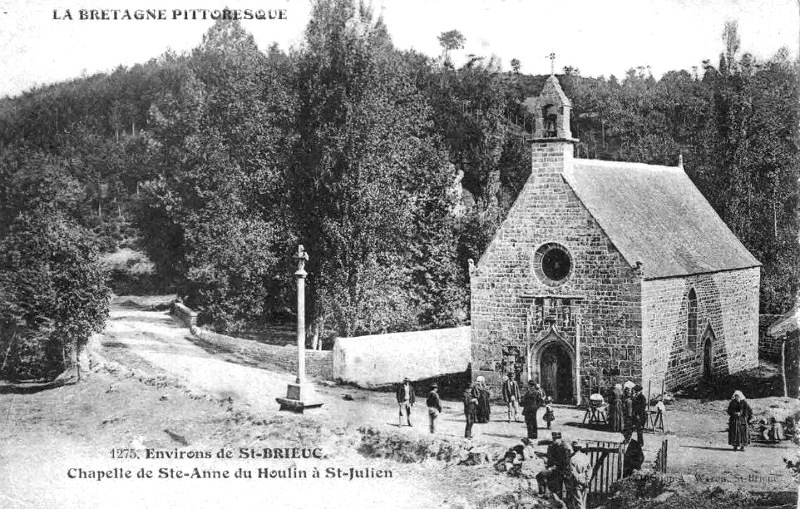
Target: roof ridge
628,164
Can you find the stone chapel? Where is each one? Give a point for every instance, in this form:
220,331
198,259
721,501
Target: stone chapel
608,271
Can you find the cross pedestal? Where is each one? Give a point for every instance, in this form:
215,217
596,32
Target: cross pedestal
300,395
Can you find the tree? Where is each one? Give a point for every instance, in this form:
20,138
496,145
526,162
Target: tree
53,296
368,175
449,41
215,215
750,172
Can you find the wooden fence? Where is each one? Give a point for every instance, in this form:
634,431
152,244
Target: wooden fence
606,459
608,464
661,458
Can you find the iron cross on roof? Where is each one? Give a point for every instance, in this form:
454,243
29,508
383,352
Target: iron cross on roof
552,57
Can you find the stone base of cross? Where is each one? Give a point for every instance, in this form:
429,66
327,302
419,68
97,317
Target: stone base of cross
299,398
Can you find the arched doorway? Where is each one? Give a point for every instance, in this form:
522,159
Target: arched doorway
555,368
708,354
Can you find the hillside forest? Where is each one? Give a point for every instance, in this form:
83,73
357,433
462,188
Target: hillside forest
391,167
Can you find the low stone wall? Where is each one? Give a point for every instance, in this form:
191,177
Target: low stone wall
188,316
383,359
367,361
319,363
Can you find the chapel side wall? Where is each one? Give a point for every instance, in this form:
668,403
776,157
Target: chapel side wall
727,302
547,210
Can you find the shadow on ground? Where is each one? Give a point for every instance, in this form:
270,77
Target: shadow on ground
760,382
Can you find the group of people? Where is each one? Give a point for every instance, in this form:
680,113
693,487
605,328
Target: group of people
567,472
628,409
567,467
406,399
476,405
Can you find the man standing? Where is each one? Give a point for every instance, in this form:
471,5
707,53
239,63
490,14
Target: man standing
511,396
577,481
634,456
434,405
557,467
541,391
405,400
639,413
530,407
470,408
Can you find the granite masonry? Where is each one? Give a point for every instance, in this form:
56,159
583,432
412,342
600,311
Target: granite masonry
605,271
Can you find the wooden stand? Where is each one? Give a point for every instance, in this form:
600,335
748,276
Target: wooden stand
655,421
596,415
655,418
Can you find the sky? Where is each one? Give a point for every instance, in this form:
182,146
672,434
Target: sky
38,45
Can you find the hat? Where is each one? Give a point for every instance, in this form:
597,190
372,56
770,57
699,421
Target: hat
434,386
556,435
576,445
637,387
406,379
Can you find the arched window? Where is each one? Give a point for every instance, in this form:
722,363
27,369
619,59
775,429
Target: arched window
550,116
691,318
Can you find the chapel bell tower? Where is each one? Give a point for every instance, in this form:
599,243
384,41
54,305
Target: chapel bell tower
550,112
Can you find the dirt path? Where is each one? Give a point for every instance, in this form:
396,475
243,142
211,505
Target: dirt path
51,440
699,446
160,391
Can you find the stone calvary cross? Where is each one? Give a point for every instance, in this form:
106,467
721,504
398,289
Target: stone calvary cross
300,395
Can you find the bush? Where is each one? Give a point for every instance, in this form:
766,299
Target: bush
53,296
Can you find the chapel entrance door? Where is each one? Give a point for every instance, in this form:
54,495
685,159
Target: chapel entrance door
556,372
708,355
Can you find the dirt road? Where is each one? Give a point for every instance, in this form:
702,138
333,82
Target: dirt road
158,396
47,434
698,445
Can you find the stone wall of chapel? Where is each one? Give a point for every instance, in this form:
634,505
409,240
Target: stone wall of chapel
603,289
727,305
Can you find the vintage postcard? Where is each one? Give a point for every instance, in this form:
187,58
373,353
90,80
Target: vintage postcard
417,253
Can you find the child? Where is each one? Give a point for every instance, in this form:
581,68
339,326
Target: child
548,412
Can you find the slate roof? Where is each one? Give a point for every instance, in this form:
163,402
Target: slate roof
656,215
551,93
786,324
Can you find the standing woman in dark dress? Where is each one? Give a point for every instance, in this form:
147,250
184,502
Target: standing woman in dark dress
484,406
740,415
627,409
616,407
